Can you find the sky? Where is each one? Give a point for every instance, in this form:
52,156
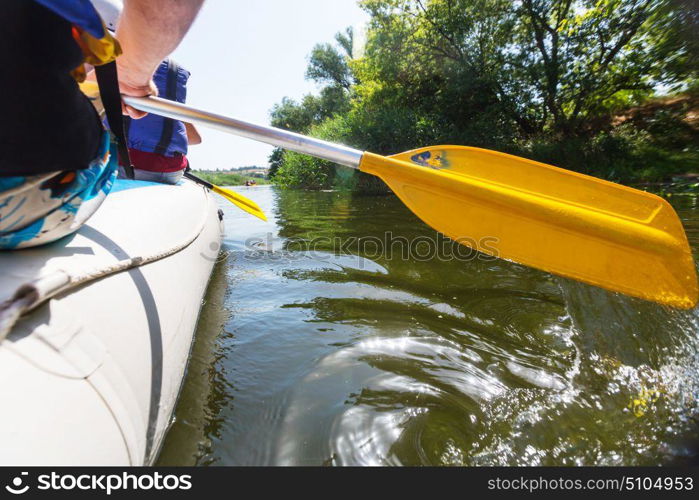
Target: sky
245,56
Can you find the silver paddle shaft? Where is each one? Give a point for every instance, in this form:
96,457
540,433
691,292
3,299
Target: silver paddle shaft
270,135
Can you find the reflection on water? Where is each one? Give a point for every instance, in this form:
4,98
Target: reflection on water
315,354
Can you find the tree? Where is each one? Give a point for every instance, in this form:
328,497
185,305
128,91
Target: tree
675,42
542,64
579,55
328,65
540,78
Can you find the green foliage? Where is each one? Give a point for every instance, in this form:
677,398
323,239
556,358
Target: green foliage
329,66
625,154
546,79
227,178
674,41
301,171
276,159
312,110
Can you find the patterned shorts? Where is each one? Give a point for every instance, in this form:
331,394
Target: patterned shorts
39,209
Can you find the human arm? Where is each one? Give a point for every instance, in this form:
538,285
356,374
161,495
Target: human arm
193,137
148,31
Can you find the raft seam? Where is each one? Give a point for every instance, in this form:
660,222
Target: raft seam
31,295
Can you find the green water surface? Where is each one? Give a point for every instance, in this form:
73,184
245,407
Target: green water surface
318,345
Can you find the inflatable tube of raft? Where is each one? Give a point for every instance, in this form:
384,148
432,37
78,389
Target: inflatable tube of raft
95,329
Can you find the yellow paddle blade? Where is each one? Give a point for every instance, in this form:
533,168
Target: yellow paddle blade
240,201
562,222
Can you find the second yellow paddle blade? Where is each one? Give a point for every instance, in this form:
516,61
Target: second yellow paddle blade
241,202
549,218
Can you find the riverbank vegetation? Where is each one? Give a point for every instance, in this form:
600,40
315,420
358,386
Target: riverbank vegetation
604,87
229,177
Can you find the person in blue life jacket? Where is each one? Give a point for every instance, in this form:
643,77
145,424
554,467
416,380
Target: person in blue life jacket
55,166
157,145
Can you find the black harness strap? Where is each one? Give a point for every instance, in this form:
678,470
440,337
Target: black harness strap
111,99
127,126
170,94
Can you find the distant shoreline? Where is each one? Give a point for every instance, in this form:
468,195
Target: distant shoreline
232,178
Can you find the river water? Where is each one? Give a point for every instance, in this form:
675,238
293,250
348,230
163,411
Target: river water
345,332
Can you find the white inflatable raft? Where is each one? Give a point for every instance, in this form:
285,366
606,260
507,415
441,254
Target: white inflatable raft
96,329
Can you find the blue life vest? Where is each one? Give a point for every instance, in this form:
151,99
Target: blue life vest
153,133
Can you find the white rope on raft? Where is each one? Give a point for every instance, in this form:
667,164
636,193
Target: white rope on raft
31,295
